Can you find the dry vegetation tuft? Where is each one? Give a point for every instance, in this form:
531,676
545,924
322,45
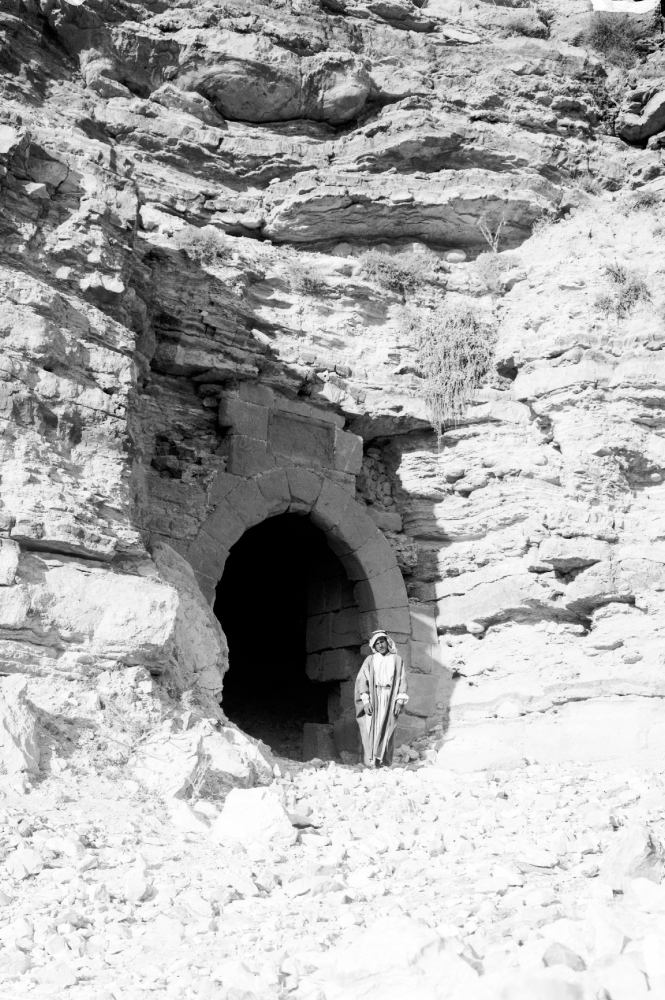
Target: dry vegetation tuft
455,351
400,274
615,37
204,245
628,291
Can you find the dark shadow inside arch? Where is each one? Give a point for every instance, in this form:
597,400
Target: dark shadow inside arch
280,582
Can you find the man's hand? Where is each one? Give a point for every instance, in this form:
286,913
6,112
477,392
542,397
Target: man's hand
398,708
368,708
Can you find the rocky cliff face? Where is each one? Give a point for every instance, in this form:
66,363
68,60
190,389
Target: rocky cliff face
224,230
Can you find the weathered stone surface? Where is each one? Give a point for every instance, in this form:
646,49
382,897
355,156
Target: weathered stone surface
318,742
253,815
19,742
333,664
9,556
650,121
194,340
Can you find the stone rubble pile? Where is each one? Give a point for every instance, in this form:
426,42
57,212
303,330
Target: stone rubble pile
541,883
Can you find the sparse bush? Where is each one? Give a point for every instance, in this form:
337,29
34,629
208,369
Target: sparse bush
306,281
520,24
541,224
489,267
400,274
546,14
455,346
585,181
640,201
629,291
614,36
205,245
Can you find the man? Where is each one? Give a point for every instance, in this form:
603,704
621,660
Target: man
381,693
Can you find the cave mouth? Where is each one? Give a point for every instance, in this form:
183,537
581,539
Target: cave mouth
270,587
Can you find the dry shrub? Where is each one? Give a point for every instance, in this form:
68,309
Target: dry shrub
519,24
628,291
306,281
399,274
204,245
585,181
614,36
640,201
489,267
455,348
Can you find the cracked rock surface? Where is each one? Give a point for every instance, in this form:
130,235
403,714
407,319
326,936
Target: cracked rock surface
225,230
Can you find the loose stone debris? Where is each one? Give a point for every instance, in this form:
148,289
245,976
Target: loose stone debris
539,883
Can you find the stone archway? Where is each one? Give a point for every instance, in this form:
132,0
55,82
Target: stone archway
363,551
351,534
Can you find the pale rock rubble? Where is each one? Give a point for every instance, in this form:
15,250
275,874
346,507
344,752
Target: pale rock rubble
541,882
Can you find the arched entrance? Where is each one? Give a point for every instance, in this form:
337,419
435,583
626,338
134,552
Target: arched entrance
379,594
285,603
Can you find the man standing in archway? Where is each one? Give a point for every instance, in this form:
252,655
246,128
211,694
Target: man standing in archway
381,693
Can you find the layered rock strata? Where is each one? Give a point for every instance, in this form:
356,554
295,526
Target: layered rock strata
194,341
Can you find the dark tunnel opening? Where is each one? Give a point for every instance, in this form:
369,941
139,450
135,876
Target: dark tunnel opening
271,585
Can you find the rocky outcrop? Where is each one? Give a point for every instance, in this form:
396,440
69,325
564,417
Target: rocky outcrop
195,339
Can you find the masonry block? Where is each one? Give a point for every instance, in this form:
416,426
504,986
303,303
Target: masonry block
348,452
249,502
348,597
422,695
346,735
408,728
224,525
383,591
254,392
304,486
424,656
300,440
318,633
330,505
275,488
341,701
371,559
345,629
404,650
333,664
324,595
247,419
207,587
248,456
385,520
393,620
207,556
353,529
317,741
423,622
343,479
221,486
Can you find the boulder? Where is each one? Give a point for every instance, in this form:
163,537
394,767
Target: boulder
636,128
396,957
253,814
19,748
169,761
636,854
174,762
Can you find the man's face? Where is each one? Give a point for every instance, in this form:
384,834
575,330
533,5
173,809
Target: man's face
381,646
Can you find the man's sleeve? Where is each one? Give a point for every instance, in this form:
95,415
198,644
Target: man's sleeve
402,693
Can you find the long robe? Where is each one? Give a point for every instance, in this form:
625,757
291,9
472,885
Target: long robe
377,731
